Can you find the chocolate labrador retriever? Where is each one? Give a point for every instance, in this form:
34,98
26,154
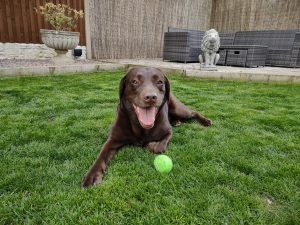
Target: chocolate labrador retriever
145,113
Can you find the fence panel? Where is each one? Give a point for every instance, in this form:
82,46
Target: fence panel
19,23
241,15
135,28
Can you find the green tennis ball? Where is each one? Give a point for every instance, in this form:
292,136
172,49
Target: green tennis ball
163,164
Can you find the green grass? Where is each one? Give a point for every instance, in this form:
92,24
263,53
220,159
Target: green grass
245,169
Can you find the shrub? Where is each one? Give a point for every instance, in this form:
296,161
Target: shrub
60,16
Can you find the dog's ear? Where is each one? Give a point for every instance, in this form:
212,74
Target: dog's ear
167,87
122,85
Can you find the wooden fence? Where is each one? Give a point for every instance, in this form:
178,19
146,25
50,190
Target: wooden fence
20,23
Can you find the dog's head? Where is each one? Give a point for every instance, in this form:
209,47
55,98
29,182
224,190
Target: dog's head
145,90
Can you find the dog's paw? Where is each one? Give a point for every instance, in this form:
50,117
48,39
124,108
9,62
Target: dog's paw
91,178
176,123
206,122
155,147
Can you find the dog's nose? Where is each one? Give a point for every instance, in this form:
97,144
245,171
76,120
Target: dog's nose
152,97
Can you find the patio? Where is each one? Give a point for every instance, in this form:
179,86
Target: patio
45,67
276,74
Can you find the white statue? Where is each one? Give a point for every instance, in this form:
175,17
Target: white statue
209,46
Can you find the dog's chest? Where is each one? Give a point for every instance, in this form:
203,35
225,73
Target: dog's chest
143,136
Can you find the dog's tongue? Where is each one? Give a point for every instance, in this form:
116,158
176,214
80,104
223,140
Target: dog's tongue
146,115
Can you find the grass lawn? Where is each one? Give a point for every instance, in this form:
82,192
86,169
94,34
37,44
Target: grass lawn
245,169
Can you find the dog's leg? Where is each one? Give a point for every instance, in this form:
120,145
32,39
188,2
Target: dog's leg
96,172
200,118
179,111
160,146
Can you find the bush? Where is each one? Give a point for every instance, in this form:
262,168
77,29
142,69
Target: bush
60,16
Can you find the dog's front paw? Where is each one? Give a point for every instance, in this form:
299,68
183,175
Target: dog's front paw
155,147
91,178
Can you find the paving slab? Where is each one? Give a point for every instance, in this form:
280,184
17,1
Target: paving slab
58,69
268,74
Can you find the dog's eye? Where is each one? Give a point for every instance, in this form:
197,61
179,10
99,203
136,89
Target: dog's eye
134,82
159,82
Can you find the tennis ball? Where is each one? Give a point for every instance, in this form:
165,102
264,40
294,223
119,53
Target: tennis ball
163,164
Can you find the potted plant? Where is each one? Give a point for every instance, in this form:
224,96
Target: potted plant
63,19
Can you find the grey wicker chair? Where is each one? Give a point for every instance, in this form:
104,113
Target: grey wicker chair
283,45
182,45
